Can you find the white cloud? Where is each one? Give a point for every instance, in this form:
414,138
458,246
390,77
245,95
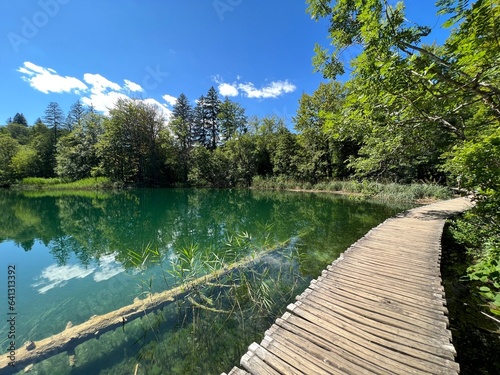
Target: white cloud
272,90
99,83
172,100
47,80
226,89
132,86
103,101
99,92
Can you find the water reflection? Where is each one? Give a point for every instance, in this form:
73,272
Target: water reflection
58,275
75,254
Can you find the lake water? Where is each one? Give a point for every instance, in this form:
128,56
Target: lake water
80,254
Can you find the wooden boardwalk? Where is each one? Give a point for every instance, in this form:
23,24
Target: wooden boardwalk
378,309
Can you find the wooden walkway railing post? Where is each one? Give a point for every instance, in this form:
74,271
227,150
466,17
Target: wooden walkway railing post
379,308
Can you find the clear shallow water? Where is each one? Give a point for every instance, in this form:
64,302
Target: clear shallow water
72,258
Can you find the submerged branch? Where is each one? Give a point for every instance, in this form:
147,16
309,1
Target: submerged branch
97,325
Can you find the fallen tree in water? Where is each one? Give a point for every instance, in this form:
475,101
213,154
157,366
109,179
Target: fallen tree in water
72,336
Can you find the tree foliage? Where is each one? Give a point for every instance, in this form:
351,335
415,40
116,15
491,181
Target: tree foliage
130,146
423,111
77,153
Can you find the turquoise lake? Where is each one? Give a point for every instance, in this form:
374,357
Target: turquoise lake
80,254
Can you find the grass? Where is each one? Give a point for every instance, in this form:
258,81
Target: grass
91,183
390,192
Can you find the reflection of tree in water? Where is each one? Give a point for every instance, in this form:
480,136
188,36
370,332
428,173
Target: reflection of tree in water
25,220
90,225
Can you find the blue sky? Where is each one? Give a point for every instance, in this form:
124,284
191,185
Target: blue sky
254,51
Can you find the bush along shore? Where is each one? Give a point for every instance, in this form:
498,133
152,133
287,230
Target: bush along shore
390,192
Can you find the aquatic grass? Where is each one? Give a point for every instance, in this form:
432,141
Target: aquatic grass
91,183
40,181
388,192
234,305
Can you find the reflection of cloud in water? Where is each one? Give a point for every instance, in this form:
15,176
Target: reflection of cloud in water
54,276
109,268
57,276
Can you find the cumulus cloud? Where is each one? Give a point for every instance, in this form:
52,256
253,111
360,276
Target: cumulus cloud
274,89
226,89
47,80
132,86
102,101
96,90
171,100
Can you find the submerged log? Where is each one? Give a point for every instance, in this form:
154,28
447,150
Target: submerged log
74,335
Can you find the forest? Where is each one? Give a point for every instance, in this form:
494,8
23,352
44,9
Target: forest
409,112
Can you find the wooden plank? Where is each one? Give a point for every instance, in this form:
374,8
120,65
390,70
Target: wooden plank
295,356
390,304
405,279
399,362
430,307
361,324
324,337
278,364
390,265
369,315
359,345
384,274
255,365
347,361
364,281
384,305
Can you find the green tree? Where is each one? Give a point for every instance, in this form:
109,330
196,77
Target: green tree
130,145
242,157
25,162
8,148
322,154
41,141
77,155
284,154
212,104
409,102
75,115
206,124
181,125
20,119
200,122
54,119
232,120
19,132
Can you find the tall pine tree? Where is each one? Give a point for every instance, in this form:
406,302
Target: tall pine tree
212,105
